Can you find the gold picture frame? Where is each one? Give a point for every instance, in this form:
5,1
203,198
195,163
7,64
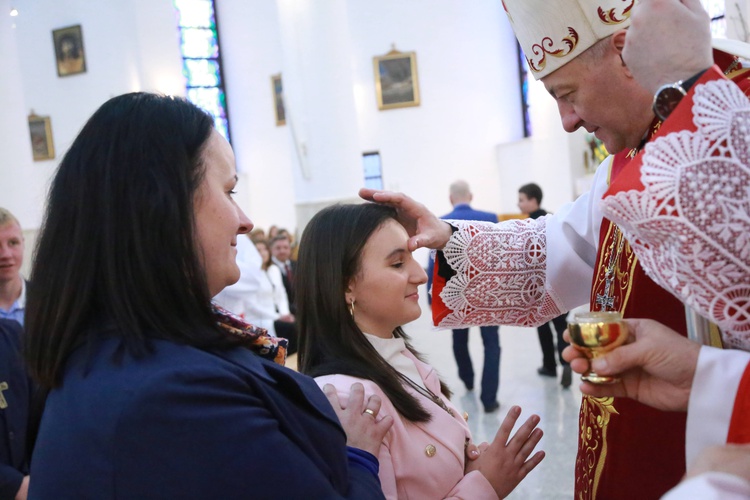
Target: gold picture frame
396,81
278,99
40,129
69,54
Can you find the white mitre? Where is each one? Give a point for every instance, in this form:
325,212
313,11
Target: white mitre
553,32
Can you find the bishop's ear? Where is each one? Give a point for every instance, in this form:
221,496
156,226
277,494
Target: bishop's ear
617,43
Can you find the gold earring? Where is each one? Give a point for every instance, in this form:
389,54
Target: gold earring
351,308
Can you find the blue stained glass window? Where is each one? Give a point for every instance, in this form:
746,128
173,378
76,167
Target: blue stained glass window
199,43
195,13
201,59
203,72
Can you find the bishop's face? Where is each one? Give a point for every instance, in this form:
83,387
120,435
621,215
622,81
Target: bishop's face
603,98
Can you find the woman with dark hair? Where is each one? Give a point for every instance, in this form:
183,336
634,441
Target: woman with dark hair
357,284
154,393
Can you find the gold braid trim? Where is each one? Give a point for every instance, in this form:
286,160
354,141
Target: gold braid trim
595,417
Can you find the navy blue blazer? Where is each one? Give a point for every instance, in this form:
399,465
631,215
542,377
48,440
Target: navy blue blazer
465,212
462,211
16,390
187,423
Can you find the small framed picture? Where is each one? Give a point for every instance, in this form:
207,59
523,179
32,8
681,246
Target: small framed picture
69,53
40,129
396,83
278,99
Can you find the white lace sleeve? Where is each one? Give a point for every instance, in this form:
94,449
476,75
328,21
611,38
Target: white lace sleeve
523,272
690,226
499,274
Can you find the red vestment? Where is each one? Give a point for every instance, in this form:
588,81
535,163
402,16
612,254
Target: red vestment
626,450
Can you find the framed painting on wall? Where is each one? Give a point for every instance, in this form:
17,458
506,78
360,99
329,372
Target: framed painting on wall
396,82
278,99
69,54
40,129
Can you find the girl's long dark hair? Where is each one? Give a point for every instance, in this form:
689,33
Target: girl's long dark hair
116,250
330,341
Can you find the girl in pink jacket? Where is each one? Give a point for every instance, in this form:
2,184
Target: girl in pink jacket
357,284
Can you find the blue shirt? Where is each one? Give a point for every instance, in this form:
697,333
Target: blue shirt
16,311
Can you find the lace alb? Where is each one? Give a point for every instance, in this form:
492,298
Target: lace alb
500,274
690,226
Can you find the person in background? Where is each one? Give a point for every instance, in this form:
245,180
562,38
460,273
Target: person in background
271,309
15,399
281,254
529,203
12,284
257,235
357,285
460,197
153,393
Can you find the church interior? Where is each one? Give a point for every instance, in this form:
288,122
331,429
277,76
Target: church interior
302,90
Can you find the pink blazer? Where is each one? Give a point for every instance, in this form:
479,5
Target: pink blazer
421,460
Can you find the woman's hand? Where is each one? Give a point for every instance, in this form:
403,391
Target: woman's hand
359,418
506,462
472,453
656,366
424,228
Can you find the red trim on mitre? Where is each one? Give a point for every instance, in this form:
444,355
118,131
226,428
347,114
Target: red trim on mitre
739,426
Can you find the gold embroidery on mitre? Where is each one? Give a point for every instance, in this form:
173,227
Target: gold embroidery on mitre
546,47
612,17
594,418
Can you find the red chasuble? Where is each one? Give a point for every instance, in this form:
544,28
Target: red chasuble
625,450
628,450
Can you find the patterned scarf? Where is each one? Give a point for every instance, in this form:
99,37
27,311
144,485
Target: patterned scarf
256,338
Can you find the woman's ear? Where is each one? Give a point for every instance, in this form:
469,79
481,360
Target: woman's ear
349,293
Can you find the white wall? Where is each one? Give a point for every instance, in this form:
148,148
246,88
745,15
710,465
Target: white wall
250,40
470,98
129,44
467,126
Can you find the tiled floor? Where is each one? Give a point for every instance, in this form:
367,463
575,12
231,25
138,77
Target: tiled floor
519,385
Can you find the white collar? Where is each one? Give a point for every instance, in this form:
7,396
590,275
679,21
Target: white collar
392,351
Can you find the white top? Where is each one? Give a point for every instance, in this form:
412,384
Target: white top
234,297
270,301
391,350
258,297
